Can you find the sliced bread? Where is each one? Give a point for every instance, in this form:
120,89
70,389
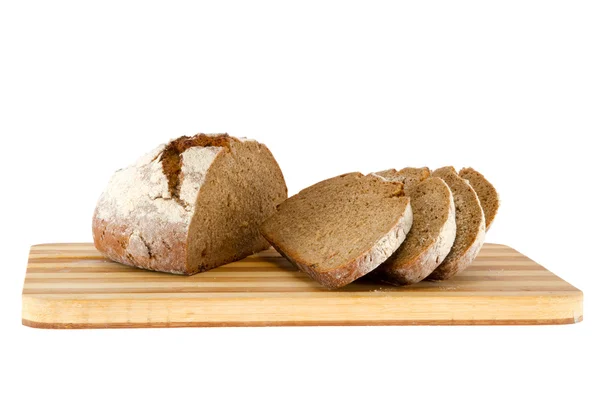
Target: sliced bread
409,176
470,226
342,228
190,205
488,197
430,238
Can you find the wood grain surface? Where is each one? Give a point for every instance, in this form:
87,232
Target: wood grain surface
71,285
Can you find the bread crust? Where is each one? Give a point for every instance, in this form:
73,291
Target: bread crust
417,269
409,176
138,221
359,266
462,263
141,221
490,200
448,268
123,243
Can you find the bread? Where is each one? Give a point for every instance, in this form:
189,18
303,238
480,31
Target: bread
409,176
342,228
488,197
470,226
431,236
189,206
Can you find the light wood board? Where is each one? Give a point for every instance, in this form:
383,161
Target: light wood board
73,286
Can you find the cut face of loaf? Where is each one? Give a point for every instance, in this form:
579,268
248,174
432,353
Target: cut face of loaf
342,228
189,206
430,238
490,202
470,226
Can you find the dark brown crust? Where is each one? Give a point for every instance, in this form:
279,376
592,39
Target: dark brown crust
171,156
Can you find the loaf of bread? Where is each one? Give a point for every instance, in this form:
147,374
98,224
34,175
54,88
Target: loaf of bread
190,205
342,228
432,233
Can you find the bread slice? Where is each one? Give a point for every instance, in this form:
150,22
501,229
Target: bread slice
409,176
190,205
488,197
470,226
342,228
430,238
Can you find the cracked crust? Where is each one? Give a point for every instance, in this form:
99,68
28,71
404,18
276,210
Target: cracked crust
221,194
124,244
172,157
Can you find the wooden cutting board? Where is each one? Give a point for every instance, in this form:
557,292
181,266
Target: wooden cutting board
73,286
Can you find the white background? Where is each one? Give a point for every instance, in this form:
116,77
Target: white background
511,88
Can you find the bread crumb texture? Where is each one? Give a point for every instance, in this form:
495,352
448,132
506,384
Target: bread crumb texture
342,228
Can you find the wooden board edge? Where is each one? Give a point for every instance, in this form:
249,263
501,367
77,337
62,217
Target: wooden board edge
44,325
574,303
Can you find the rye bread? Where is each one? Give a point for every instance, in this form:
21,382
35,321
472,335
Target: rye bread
470,226
410,176
488,196
430,238
190,205
342,228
